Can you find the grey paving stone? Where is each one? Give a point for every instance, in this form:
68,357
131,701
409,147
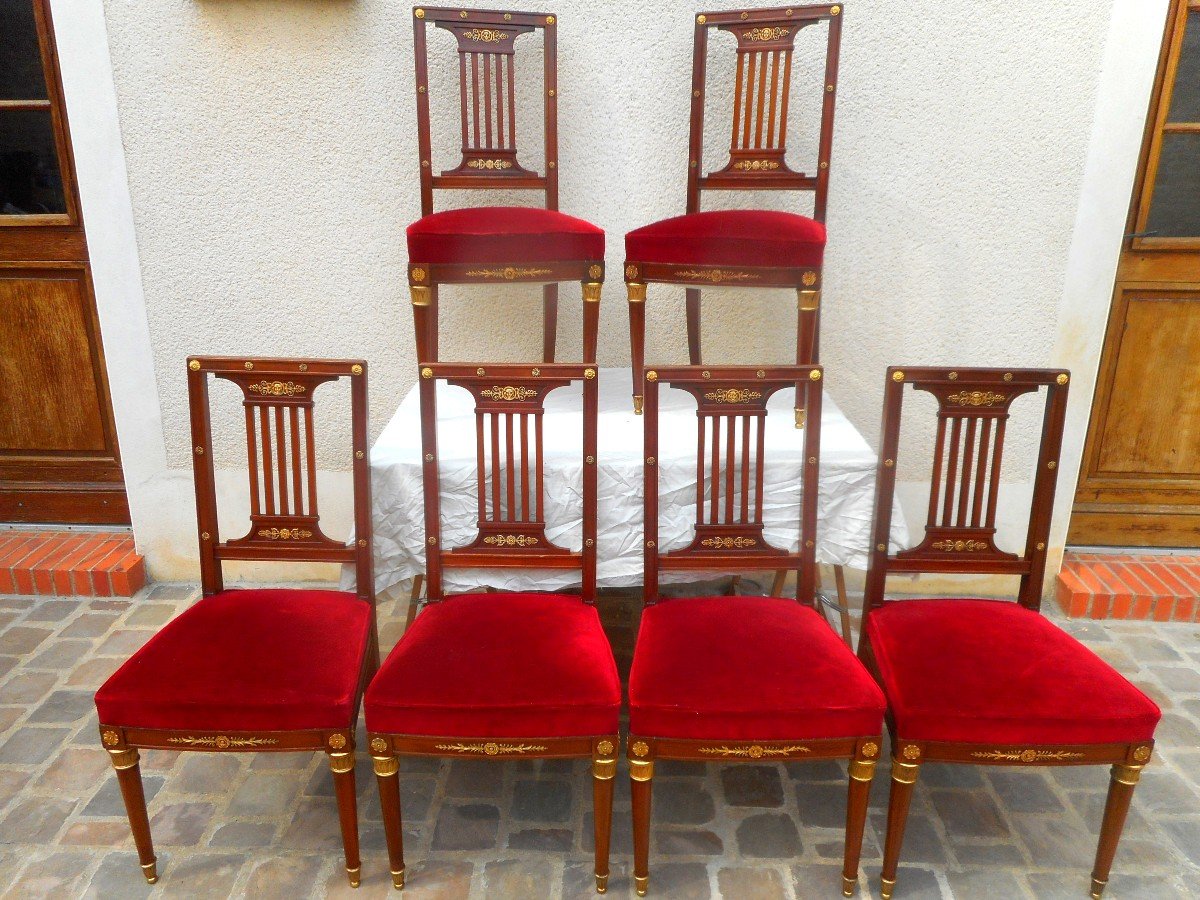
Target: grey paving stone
119,875
52,611
63,706
475,778
89,625
20,640
284,877
748,785
553,840
922,843
985,884
818,770
991,854
916,884
467,826
176,592
36,820
1025,790
760,883
1185,834
542,801
438,879
516,879
821,881
682,802
313,826
263,795
57,874
1053,843
822,805
107,801
969,814
77,770
27,688
150,615
123,643
246,835
688,842
680,881
946,775
768,835
60,655
203,773
180,824
30,746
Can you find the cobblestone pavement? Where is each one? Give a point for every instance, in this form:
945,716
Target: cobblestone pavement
265,825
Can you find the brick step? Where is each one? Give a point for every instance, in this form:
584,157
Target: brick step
70,563
1154,587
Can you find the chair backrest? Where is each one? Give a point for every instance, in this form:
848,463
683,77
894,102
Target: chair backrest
282,465
731,418
510,470
487,98
960,528
762,85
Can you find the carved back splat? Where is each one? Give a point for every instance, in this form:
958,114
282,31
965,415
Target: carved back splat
960,529
487,99
762,85
281,462
509,407
731,411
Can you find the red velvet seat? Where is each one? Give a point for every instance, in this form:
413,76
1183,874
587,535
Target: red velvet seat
738,237
499,665
246,660
503,235
747,668
987,671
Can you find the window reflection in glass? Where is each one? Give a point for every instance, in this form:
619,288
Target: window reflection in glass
30,183
21,75
1175,203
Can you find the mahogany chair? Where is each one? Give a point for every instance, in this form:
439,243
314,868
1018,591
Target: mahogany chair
496,244
988,682
258,669
740,679
502,675
744,247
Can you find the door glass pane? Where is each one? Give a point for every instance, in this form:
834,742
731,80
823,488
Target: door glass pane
30,183
21,75
1175,203
1185,93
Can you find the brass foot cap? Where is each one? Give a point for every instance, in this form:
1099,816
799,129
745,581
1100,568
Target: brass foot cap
150,870
848,886
601,884
398,880
354,876
637,406
885,887
642,884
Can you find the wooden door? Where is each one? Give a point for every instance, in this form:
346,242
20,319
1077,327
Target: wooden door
58,447
1140,481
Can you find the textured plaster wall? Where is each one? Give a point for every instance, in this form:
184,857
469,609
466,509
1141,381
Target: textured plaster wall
272,167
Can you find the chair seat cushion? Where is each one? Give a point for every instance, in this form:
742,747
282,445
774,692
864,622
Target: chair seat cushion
246,660
499,666
993,672
736,237
503,235
747,668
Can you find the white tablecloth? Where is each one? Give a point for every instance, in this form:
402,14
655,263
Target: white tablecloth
847,484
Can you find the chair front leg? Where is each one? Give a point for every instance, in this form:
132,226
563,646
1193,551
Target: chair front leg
387,769
342,765
604,772
808,307
549,321
1120,792
591,319
641,771
129,776
862,770
693,325
637,339
904,776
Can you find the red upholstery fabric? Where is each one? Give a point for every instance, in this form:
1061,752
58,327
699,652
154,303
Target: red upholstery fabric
736,237
989,671
502,666
246,660
747,668
503,234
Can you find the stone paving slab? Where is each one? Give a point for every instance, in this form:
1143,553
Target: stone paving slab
265,825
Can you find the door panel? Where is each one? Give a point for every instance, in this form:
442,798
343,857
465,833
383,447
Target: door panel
1140,480
59,460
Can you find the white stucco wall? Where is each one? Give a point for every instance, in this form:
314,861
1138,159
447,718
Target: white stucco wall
981,168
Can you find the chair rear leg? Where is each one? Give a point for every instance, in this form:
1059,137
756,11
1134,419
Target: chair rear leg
129,776
549,321
693,325
1120,792
342,765
641,772
387,769
604,771
862,770
904,776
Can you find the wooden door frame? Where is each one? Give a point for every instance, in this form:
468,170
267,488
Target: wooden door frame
1145,264
50,244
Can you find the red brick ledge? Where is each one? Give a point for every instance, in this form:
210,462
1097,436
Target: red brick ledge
1156,587
70,563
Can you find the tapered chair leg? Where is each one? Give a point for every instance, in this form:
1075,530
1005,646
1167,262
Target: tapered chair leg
808,305
549,321
387,769
129,776
777,584
1120,792
604,772
424,322
342,765
591,319
637,339
904,776
861,773
414,599
693,325
641,772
